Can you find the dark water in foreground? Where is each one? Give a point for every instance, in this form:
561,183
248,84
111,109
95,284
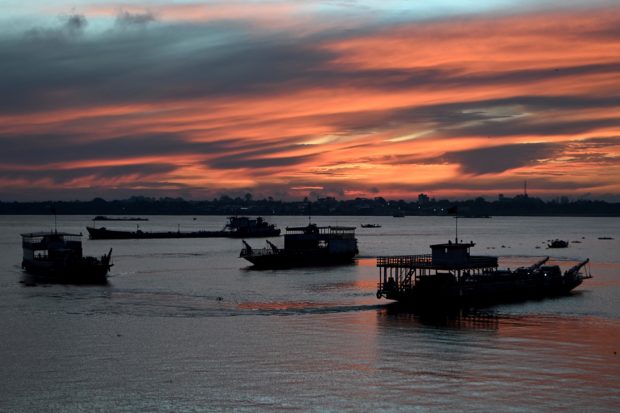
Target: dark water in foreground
184,326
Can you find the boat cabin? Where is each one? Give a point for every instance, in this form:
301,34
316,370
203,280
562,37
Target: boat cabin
244,222
51,245
311,237
451,254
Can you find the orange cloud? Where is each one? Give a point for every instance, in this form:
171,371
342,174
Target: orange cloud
389,112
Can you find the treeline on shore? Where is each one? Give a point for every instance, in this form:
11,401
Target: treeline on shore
225,205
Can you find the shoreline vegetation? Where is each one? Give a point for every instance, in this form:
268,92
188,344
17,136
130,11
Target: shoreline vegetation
520,205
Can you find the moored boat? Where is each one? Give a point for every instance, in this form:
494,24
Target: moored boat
450,276
558,243
306,246
236,227
370,226
58,256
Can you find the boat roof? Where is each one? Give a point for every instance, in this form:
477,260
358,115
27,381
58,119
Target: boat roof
49,233
455,245
333,228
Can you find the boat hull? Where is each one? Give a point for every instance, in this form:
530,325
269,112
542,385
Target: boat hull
103,233
292,259
84,271
484,293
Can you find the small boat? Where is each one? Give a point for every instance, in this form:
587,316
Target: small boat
306,246
237,227
370,226
398,215
451,277
58,256
558,243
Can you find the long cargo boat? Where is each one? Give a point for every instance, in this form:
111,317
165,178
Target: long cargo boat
106,218
450,276
237,227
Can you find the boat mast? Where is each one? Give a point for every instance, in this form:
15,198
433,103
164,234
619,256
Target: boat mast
455,210
55,220
456,221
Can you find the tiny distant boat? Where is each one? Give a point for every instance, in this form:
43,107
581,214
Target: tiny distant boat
605,238
104,218
370,226
58,255
306,246
237,227
398,215
558,243
450,277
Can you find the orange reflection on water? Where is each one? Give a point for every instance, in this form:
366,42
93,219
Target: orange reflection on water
582,344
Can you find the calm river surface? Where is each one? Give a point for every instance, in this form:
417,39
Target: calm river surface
184,326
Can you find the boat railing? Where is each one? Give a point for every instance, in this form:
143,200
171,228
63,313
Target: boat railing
405,260
254,252
329,230
42,244
257,252
426,261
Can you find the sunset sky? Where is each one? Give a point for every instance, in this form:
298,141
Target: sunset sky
289,99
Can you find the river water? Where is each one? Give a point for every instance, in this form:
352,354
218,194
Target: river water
185,326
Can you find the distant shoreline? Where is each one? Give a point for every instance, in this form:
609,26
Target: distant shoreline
479,208
317,215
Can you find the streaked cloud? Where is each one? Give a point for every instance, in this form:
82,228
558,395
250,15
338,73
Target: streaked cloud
498,159
346,98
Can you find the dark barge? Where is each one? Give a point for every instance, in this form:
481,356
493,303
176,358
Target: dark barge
237,227
105,218
450,276
306,246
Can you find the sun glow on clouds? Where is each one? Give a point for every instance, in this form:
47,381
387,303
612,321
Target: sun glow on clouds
342,100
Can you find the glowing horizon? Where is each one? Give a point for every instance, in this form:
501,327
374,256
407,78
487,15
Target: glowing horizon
311,98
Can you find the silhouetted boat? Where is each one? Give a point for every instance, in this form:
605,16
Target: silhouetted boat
398,215
306,246
104,218
58,255
558,243
450,276
237,227
370,226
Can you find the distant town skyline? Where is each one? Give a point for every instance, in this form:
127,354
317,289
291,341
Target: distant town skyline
520,205
311,98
